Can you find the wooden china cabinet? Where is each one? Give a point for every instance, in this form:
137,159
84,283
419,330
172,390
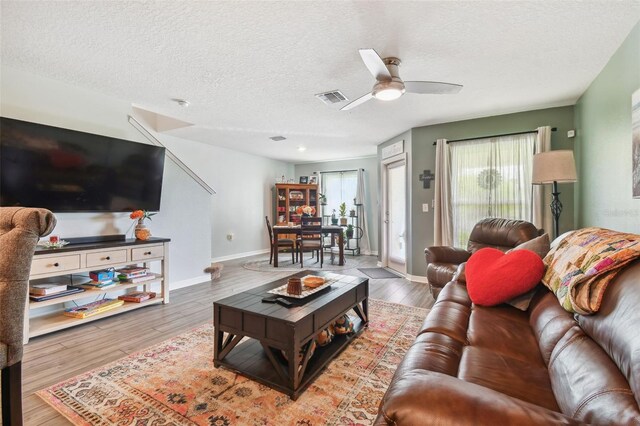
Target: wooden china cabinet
291,196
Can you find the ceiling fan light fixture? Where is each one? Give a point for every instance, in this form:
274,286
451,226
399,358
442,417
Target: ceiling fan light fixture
388,90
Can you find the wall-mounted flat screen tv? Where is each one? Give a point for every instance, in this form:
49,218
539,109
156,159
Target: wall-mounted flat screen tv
68,171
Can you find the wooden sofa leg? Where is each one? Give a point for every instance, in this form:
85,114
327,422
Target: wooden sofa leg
12,395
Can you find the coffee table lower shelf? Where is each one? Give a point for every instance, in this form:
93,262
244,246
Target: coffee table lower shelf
250,360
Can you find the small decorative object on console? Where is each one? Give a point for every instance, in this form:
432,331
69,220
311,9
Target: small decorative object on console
53,244
312,281
141,231
294,286
325,336
343,325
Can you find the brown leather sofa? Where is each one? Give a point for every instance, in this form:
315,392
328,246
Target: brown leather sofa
503,234
502,366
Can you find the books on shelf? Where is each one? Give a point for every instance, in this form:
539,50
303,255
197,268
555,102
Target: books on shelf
93,308
131,272
99,285
142,278
137,296
46,289
68,291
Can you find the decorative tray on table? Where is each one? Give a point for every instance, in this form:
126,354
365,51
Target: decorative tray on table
306,291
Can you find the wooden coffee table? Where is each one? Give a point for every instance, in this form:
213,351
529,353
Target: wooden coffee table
273,328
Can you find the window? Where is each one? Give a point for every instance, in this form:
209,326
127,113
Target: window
490,178
338,187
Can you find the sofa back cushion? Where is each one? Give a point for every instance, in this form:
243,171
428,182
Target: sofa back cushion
502,234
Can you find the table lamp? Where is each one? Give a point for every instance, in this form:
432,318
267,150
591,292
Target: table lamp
553,167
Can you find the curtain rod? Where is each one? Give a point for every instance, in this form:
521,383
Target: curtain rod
553,129
338,171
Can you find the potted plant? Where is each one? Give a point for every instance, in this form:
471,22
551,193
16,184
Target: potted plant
323,199
349,232
334,218
343,214
352,212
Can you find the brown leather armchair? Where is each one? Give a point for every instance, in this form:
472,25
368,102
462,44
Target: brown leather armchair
503,234
20,229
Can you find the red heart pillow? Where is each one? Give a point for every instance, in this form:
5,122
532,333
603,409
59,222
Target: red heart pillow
494,277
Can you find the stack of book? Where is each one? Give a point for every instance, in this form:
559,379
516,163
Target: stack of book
137,296
93,308
135,274
100,280
47,291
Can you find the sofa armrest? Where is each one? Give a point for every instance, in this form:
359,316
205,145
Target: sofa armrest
460,276
444,254
426,397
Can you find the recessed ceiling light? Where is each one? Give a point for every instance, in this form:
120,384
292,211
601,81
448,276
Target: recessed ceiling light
277,138
302,148
182,102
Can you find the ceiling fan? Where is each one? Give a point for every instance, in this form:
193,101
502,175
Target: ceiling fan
389,85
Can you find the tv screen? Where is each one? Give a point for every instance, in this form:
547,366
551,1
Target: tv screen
68,171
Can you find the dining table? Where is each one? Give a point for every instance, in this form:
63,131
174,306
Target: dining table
326,229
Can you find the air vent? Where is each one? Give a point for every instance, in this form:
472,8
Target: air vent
332,97
277,138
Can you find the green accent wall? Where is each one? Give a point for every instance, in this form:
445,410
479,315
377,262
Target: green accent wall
603,145
422,157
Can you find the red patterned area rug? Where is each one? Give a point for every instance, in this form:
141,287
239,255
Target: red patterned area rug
175,383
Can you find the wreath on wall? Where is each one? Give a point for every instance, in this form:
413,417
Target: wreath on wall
489,179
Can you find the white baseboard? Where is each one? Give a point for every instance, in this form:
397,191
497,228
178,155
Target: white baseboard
416,278
239,255
189,282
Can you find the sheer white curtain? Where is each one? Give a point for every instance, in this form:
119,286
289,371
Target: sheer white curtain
339,187
541,217
365,245
443,229
490,178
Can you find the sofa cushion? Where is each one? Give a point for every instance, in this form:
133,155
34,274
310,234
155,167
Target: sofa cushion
539,245
508,375
494,277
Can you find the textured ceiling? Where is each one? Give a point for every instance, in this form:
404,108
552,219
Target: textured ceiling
250,69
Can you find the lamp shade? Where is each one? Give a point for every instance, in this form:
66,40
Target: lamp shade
554,166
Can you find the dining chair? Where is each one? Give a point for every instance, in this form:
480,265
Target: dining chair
310,238
277,245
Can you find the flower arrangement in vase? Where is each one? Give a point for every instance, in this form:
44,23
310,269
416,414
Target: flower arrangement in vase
141,231
306,210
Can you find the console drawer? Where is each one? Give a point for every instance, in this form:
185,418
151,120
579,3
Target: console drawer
149,252
55,264
102,258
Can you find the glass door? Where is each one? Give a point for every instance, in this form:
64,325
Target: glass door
396,217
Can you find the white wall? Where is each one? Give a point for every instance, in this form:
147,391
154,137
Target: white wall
196,222
244,193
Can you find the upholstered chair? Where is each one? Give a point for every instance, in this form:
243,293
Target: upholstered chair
20,229
502,234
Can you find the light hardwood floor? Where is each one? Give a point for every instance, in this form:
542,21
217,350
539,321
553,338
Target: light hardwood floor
58,356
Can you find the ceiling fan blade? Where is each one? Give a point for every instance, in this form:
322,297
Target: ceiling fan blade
355,103
375,64
432,87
